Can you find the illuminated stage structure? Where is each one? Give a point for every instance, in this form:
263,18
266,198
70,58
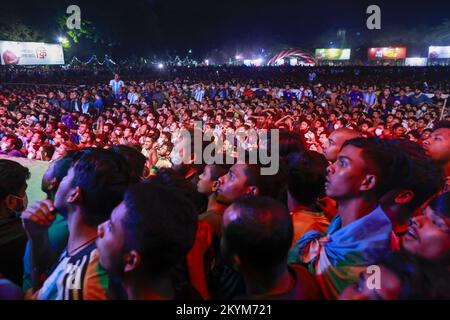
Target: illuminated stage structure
295,56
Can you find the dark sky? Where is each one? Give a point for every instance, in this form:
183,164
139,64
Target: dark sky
155,25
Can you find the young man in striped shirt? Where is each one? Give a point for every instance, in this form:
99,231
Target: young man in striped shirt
94,185
116,84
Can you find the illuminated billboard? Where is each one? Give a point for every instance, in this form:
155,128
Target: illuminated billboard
439,52
387,53
416,62
333,54
30,53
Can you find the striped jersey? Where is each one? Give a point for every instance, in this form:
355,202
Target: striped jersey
76,277
198,94
132,97
115,85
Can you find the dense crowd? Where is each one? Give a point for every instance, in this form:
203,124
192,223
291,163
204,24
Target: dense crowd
363,180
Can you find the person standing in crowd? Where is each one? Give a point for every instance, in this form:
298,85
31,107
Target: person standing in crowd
199,93
416,182
437,146
58,232
208,183
132,96
148,235
94,185
11,146
361,233
355,95
420,271
306,184
370,98
13,200
75,103
246,179
428,236
418,98
335,141
257,234
116,85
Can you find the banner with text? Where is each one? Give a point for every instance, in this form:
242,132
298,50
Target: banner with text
439,52
30,53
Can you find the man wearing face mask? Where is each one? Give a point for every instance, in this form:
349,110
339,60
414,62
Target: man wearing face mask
379,131
11,146
13,200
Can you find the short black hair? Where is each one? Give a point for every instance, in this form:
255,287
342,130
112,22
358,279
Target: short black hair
218,170
102,176
414,170
307,176
291,142
13,177
175,182
135,159
268,185
61,167
395,162
160,224
262,234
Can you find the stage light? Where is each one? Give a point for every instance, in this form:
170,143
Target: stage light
238,57
63,40
258,62
160,66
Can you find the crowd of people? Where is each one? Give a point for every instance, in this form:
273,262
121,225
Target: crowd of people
363,181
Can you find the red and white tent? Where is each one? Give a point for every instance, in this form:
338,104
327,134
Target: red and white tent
297,53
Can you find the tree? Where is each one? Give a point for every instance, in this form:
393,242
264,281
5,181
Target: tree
87,30
14,30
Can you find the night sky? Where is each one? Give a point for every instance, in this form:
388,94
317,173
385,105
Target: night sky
146,26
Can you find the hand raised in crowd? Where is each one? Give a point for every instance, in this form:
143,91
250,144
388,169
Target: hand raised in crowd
38,218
